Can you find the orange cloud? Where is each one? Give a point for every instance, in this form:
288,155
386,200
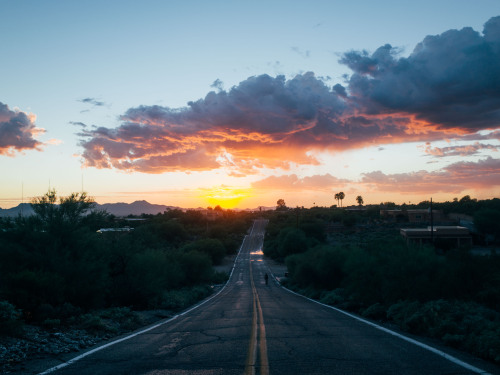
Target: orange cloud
466,150
439,91
324,182
455,178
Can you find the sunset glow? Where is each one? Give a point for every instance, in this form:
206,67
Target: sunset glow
181,111
226,197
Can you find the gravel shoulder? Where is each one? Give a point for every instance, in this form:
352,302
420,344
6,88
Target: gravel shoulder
39,348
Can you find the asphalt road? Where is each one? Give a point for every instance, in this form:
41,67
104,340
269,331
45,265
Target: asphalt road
254,328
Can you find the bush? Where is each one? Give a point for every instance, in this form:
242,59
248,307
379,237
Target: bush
149,274
180,299
214,248
93,323
219,277
51,323
10,320
197,267
123,317
376,311
464,325
334,297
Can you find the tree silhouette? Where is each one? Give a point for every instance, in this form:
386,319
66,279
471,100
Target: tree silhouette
68,213
359,199
280,204
337,198
341,197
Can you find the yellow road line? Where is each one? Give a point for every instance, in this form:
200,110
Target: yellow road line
264,364
252,347
257,335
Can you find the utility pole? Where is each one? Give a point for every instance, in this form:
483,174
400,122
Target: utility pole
432,224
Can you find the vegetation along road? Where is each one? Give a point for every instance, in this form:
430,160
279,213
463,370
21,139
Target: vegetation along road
253,328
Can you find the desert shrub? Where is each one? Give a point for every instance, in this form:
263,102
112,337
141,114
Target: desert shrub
321,268
376,311
464,325
333,297
181,298
401,311
214,248
125,318
219,277
149,274
67,311
44,312
197,267
93,323
51,323
11,323
28,289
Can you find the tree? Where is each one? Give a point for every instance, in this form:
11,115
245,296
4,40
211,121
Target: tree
341,197
359,199
337,198
70,210
487,221
280,205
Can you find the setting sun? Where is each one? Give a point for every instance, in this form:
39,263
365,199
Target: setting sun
226,196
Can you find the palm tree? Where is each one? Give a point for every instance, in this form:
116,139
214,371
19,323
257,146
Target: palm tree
359,199
337,198
341,197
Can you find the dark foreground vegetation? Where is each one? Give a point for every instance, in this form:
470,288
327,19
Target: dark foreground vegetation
363,265
56,270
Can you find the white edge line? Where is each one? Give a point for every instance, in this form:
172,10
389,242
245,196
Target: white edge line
410,340
77,358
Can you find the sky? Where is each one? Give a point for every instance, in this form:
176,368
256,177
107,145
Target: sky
239,103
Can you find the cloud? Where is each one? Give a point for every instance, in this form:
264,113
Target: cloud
257,124
218,84
92,101
17,131
78,123
454,178
324,182
450,80
466,150
447,88
305,54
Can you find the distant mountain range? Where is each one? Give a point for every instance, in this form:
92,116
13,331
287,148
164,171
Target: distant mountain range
134,208
117,209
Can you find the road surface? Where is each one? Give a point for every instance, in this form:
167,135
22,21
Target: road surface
254,328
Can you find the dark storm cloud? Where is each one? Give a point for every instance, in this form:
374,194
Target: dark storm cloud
448,87
256,122
17,131
451,80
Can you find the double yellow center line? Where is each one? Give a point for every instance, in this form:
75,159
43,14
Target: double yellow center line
258,332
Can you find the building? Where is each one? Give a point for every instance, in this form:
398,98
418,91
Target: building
417,216
455,235
424,216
